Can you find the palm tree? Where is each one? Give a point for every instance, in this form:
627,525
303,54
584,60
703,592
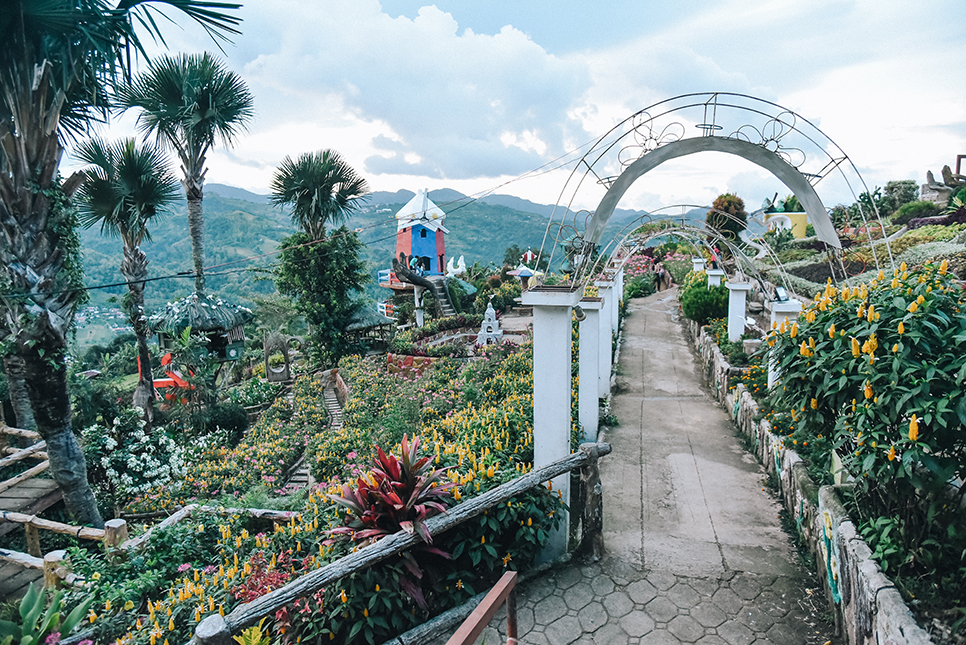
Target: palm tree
58,59
187,102
320,187
127,187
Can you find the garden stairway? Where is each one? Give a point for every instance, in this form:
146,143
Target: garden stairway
301,474
441,293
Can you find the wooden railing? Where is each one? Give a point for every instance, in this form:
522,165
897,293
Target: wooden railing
35,451
503,591
114,535
218,630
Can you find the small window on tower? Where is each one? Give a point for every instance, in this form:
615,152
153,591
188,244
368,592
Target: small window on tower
422,233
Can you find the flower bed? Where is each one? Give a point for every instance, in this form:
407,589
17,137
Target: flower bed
267,451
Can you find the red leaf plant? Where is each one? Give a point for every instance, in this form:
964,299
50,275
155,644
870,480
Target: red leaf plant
399,493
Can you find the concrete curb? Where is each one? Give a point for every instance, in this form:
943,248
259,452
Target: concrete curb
868,608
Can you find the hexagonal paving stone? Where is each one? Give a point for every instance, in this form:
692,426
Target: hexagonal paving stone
749,585
490,635
661,609
773,604
686,629
549,609
637,623
534,638
592,617
525,619
641,592
704,586
755,619
734,633
660,637
590,570
610,633
539,589
788,631
578,595
661,580
683,595
708,614
563,631
727,601
568,577
711,639
617,604
602,585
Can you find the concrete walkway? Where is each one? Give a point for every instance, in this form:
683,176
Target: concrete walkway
695,550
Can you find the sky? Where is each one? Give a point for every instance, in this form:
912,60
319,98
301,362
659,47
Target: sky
477,95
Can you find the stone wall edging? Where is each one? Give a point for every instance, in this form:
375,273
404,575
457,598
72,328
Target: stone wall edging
868,609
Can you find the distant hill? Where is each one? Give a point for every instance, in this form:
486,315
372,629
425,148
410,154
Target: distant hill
241,225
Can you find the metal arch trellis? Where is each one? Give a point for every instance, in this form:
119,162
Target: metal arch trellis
628,242
790,136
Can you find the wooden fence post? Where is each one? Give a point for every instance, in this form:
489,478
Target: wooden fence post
592,512
33,540
115,533
55,568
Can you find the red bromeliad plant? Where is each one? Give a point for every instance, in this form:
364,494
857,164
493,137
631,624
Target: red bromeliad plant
399,493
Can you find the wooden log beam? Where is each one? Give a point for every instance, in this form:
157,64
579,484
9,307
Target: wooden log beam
216,630
23,559
13,481
82,532
139,541
10,450
17,432
20,455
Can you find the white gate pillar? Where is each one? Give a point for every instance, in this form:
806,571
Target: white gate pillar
782,311
419,313
589,368
714,277
608,323
698,264
552,323
737,296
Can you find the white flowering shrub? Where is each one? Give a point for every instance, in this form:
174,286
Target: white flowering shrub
126,460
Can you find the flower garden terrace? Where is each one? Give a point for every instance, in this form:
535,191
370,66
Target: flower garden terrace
475,422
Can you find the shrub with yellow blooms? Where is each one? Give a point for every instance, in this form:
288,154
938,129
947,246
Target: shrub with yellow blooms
887,390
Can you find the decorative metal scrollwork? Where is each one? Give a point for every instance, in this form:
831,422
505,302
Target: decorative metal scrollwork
647,138
770,136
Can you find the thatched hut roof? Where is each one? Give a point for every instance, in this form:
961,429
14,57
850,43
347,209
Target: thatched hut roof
365,318
201,312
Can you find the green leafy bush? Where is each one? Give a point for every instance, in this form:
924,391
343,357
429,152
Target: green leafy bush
914,210
877,373
639,287
701,304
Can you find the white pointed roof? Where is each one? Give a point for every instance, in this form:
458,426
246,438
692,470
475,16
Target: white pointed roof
421,210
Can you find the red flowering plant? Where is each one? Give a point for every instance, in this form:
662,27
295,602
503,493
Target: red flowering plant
399,493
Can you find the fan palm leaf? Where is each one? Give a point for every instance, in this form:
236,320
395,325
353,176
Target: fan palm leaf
321,187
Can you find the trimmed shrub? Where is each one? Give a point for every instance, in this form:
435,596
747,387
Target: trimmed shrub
914,210
701,304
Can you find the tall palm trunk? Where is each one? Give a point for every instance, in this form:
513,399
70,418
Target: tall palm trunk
134,268
194,191
39,262
46,378
17,389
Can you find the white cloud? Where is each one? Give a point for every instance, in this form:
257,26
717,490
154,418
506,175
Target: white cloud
429,101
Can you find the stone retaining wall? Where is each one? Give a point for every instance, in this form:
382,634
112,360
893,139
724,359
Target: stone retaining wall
868,608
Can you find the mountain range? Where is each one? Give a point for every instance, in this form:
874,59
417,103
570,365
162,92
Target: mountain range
243,229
